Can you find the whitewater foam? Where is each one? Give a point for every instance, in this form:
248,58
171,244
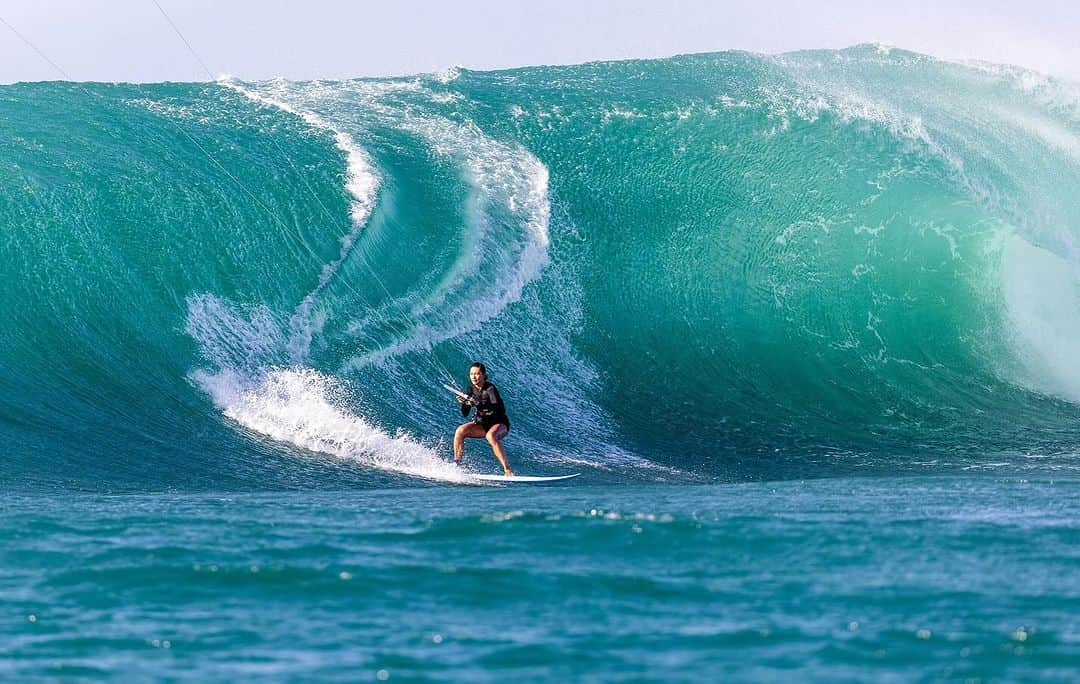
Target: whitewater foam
307,409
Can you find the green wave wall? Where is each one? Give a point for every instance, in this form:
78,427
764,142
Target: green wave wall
711,266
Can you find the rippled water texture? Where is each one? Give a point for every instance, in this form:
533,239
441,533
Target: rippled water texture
710,267
806,325
896,579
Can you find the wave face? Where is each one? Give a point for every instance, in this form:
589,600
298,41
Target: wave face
711,266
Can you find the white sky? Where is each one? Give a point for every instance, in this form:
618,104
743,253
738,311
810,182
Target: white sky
130,40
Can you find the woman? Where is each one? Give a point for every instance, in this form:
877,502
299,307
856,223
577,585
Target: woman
490,421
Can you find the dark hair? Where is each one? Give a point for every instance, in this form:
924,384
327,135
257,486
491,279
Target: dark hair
477,364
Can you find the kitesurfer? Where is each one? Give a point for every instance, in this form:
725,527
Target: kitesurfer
489,422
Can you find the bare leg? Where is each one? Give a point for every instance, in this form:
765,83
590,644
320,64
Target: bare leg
494,438
465,430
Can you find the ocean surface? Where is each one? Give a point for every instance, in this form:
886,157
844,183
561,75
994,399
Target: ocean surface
807,324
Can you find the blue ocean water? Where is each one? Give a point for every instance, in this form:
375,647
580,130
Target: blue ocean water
805,323
891,579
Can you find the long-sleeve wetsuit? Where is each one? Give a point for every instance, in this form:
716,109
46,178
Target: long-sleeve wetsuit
490,409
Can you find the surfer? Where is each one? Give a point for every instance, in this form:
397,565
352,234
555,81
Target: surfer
490,421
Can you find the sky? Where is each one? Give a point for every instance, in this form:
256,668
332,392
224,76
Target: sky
131,40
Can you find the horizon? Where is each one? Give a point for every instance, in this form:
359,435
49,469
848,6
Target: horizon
451,67
132,41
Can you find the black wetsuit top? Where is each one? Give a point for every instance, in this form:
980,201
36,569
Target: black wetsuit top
489,406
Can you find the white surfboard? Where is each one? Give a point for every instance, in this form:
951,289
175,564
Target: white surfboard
522,478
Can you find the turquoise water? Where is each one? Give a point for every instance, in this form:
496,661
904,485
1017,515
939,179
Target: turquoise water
837,579
713,284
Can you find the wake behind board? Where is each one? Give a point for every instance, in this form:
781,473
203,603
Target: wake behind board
521,478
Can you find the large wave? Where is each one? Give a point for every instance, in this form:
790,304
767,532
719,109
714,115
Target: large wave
711,266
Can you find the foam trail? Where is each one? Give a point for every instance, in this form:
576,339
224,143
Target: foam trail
362,184
511,187
508,180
